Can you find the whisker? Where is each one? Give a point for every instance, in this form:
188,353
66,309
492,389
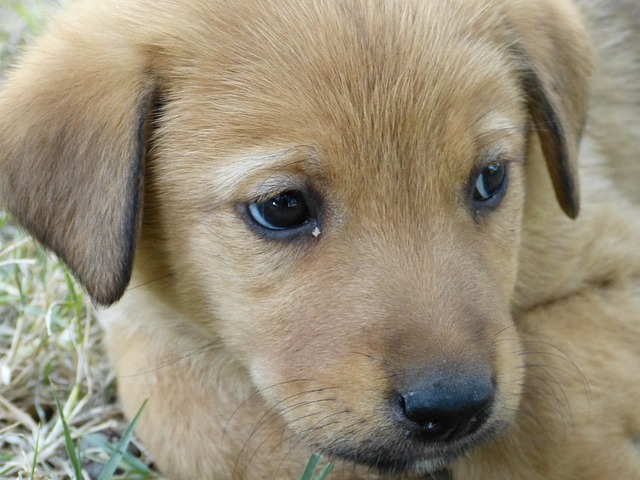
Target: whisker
266,419
289,408
254,395
134,287
549,389
173,359
315,428
559,354
268,437
273,414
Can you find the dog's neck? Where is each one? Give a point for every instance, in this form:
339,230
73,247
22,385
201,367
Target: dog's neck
554,248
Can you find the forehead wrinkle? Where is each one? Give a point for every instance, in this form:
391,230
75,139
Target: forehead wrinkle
497,132
262,165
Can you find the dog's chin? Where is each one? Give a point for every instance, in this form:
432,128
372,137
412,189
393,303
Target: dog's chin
398,463
387,453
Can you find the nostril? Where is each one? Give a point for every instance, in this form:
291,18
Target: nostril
447,412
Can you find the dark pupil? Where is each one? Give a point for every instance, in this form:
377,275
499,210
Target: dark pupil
285,210
489,181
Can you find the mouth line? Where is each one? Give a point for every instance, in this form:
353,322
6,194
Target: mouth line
414,457
399,462
441,474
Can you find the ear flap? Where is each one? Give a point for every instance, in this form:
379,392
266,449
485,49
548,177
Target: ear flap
555,57
72,145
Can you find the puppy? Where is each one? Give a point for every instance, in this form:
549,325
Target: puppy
343,227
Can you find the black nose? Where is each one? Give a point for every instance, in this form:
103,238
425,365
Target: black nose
447,407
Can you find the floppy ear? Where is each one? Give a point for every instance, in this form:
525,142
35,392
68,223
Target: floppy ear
72,145
555,56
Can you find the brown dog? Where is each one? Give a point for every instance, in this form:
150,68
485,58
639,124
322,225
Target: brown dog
338,225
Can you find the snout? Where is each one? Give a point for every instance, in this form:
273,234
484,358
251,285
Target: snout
446,406
414,376
430,417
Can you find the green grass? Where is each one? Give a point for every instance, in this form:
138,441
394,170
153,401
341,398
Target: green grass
313,470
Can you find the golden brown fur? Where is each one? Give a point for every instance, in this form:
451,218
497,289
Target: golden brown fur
147,127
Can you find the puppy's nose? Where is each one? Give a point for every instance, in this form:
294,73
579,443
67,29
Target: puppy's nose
447,408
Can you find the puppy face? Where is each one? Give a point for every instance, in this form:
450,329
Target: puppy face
364,246
337,190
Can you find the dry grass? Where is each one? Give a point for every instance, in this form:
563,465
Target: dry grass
49,342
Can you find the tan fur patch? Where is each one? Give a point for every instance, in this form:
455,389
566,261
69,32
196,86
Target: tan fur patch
160,128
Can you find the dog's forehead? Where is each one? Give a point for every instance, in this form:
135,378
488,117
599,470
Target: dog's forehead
376,88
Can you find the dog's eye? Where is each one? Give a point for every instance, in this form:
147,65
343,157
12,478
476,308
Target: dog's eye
490,182
282,211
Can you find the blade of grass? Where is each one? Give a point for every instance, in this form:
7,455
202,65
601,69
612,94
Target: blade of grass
6,471
110,467
312,464
68,441
75,299
35,456
128,462
326,470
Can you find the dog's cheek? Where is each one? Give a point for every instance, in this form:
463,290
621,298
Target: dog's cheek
332,345
499,236
499,251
